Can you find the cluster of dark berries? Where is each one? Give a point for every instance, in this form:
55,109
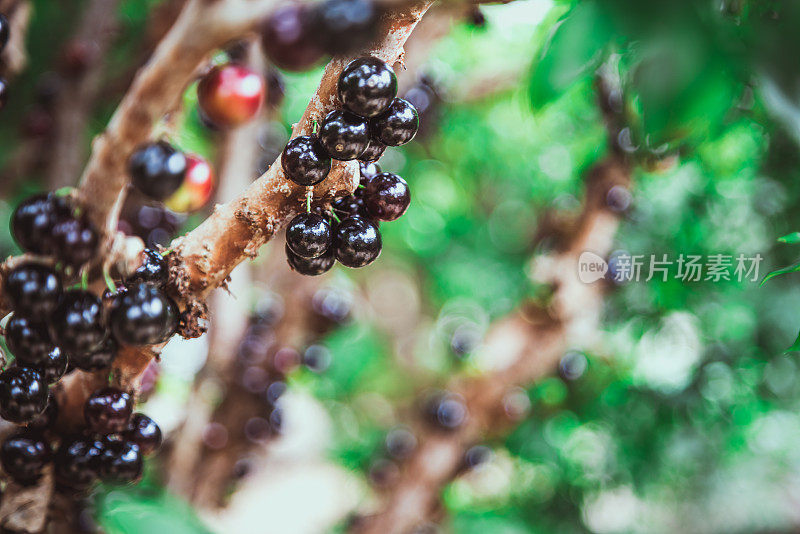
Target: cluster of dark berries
297,36
373,119
161,172
111,448
54,328
5,35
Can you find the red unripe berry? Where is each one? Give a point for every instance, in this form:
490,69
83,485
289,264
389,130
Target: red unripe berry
197,186
230,95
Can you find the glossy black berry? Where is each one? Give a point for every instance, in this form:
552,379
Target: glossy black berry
143,315
97,360
33,220
54,366
78,460
344,135
47,418
350,206
24,457
78,323
304,160
287,39
32,289
75,241
5,31
309,235
368,171
367,86
344,26
386,196
4,91
157,169
144,432
374,151
23,394
28,340
357,242
108,410
154,269
445,410
311,266
121,462
397,125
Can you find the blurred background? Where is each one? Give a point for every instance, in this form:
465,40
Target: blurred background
671,407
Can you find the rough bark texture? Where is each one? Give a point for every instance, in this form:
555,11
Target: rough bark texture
530,342
202,27
93,38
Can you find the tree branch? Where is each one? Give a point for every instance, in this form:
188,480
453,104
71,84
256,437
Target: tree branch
202,27
531,342
93,39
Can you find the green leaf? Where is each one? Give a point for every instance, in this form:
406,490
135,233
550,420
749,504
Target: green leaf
790,239
575,48
130,511
790,269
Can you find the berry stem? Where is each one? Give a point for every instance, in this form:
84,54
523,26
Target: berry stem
85,278
109,281
335,217
314,127
309,192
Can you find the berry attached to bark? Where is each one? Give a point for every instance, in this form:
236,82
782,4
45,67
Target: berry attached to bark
121,462
357,242
153,270
288,41
197,186
350,206
344,26
28,340
308,235
311,266
33,289
75,241
33,220
54,366
144,432
77,461
97,360
367,86
5,31
23,394
157,169
47,418
24,457
230,95
143,315
368,171
108,411
78,323
344,135
397,125
304,161
387,196
374,151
